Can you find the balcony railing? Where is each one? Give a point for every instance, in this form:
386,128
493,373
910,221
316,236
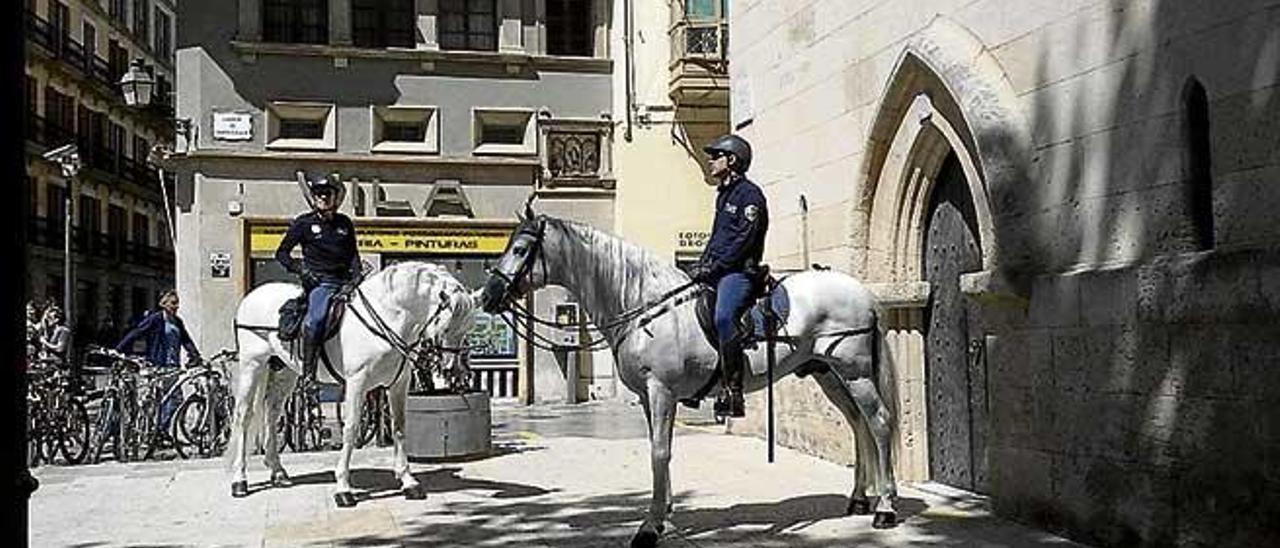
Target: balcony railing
58,44
46,134
48,233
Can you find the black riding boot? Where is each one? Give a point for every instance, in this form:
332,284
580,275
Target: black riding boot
730,402
310,353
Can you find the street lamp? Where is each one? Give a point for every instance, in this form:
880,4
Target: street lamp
137,85
68,159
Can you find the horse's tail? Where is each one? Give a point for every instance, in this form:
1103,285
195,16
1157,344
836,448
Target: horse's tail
882,358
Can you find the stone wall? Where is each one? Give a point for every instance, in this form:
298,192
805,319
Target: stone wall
1130,301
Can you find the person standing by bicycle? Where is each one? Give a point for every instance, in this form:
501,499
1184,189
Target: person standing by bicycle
165,335
53,337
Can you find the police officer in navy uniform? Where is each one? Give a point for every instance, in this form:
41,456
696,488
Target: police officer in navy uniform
731,260
329,260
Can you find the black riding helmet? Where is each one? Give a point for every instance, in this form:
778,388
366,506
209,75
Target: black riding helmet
732,144
329,183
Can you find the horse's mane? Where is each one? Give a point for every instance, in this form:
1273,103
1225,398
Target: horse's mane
386,279
638,274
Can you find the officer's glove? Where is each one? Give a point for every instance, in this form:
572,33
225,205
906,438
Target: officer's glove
309,278
700,272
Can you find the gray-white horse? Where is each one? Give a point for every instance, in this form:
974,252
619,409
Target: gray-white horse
832,332
389,318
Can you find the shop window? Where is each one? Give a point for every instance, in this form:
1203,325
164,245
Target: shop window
569,27
405,129
468,25
507,131
295,21
383,23
304,126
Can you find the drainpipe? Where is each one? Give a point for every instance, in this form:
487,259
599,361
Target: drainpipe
628,28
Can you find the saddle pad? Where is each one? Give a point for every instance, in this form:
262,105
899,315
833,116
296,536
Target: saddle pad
294,311
751,324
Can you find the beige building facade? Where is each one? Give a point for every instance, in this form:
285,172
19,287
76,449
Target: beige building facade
1065,206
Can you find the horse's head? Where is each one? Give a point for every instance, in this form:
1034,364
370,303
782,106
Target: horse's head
514,274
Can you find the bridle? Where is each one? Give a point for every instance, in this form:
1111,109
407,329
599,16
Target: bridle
524,318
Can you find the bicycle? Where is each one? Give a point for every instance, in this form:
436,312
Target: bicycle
203,420
152,394
57,420
301,423
117,407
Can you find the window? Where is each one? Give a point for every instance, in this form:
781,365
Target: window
59,20
306,126
60,116
55,207
31,95
704,9
1199,167
116,9
138,302
142,21
383,23
569,27
506,131
468,25
295,21
141,230
141,149
116,138
90,38
164,34
117,59
405,129
90,214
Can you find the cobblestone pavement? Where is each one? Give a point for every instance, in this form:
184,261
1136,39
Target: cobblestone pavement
560,476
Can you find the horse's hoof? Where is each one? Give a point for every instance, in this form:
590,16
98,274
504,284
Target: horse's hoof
281,479
416,492
344,499
645,538
239,489
858,507
884,520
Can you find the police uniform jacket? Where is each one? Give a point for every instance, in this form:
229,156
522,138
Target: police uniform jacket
328,247
737,235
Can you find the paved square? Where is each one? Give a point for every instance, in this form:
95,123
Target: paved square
560,476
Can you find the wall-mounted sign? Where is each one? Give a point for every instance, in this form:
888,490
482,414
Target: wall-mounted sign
421,240
220,265
691,240
233,126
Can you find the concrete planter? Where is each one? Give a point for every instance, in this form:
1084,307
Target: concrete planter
439,426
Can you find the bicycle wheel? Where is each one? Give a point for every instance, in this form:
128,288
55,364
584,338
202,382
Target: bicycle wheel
73,434
105,428
191,436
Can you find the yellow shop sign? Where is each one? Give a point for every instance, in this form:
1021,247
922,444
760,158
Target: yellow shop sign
265,239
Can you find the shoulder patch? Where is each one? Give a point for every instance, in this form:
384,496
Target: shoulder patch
751,212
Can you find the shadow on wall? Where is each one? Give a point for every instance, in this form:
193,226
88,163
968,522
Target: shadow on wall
1153,412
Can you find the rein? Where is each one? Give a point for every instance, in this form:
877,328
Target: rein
525,318
409,353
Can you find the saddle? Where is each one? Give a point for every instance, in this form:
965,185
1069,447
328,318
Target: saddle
294,310
770,301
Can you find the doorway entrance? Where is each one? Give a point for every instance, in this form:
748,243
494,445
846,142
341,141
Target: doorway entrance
955,364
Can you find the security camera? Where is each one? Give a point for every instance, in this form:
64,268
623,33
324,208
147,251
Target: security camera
62,153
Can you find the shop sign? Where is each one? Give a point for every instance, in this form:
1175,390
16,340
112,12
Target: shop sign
691,240
417,240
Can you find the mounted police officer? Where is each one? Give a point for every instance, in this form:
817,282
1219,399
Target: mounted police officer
329,260
731,260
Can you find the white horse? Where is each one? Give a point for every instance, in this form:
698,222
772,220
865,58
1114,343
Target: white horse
391,315
832,332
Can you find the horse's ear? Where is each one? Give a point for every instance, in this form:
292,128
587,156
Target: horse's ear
528,206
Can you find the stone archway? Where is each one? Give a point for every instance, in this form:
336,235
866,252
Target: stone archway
947,102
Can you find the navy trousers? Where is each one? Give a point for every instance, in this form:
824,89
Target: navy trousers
318,310
733,296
